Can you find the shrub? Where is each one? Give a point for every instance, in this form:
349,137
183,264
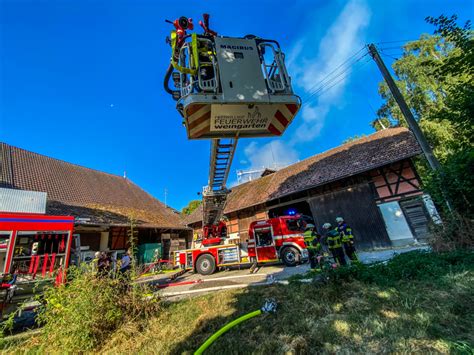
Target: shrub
456,232
81,314
415,265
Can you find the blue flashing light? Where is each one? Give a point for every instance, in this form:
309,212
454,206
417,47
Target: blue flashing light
291,212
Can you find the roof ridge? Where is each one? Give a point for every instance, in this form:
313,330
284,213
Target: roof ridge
64,161
348,144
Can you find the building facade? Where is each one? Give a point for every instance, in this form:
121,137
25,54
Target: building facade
371,182
105,206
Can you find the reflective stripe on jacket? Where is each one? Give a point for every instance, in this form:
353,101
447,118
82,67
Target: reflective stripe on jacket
345,232
310,240
333,239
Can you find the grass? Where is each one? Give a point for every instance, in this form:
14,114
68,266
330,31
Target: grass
419,302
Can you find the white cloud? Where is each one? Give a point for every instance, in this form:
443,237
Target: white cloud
272,154
309,61
343,38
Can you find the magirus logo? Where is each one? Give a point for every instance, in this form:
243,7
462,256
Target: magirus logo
245,48
255,114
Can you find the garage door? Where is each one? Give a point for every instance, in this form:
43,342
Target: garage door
357,206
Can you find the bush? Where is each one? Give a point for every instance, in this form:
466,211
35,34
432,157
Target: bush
415,265
82,314
456,232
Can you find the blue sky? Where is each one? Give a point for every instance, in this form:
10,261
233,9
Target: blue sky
82,80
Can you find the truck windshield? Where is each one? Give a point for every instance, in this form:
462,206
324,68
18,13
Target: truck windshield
295,225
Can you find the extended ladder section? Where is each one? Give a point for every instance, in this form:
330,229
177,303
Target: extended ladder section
215,194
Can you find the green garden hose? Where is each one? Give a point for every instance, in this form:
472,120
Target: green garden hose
270,306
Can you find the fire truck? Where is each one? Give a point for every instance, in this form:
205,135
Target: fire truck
228,88
34,252
270,240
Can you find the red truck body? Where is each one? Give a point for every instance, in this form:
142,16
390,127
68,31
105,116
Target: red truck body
34,246
270,240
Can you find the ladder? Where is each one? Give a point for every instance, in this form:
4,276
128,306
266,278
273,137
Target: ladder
215,193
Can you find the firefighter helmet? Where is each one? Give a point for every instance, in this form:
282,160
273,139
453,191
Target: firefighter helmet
339,219
327,226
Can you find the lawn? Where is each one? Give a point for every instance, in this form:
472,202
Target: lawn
419,302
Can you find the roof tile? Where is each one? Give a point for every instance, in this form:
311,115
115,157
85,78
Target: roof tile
378,149
75,189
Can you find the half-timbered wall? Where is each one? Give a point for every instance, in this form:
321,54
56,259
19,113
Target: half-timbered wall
395,181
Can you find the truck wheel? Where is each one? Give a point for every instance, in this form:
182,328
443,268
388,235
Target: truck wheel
206,265
290,256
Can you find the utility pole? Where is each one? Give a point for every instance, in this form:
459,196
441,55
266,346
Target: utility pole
414,127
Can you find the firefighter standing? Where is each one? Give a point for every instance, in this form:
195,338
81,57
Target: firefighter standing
312,244
333,239
319,251
347,238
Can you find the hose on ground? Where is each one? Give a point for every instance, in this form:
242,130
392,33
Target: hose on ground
269,306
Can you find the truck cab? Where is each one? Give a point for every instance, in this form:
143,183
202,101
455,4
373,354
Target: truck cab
280,238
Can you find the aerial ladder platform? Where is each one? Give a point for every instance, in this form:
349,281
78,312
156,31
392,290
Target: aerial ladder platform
227,88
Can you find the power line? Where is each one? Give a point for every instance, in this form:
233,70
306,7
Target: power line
334,70
327,77
322,86
402,40
327,88
333,81
388,55
393,51
341,72
393,47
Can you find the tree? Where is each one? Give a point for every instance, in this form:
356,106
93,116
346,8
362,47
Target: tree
192,205
435,75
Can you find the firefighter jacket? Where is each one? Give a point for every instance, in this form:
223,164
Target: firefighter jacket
312,241
333,238
346,233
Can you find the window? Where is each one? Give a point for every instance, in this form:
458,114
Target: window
263,237
296,225
4,239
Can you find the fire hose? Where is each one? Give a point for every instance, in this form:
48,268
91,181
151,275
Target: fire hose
268,307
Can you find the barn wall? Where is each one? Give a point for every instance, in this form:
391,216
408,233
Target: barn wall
247,217
357,205
355,198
